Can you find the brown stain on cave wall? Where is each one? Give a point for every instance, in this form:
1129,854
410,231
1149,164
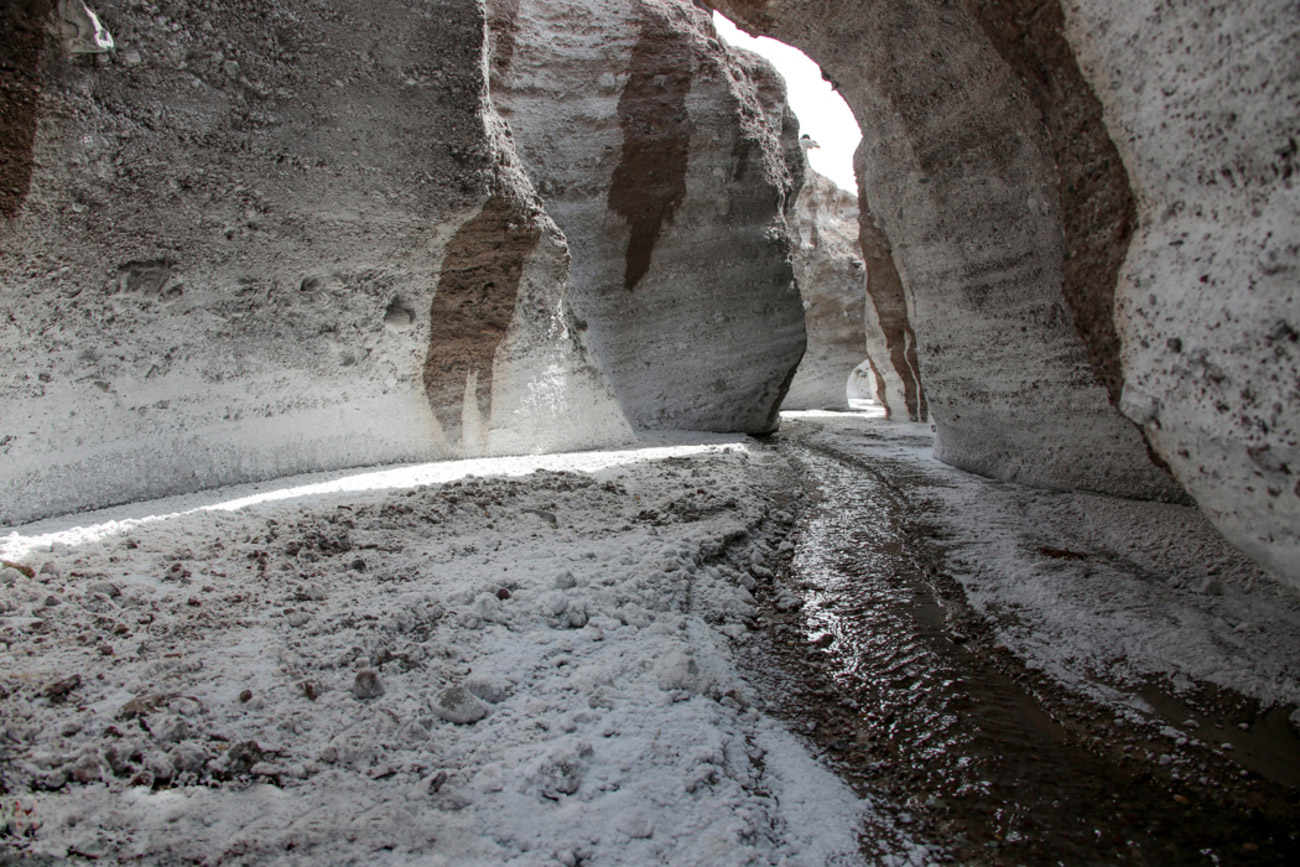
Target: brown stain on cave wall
503,16
22,36
1097,204
885,291
473,306
649,182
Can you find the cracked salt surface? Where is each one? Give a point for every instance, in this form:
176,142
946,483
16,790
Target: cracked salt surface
390,666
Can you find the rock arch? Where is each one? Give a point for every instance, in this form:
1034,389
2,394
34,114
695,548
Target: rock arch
1055,352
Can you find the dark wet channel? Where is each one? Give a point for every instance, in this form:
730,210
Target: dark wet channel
930,710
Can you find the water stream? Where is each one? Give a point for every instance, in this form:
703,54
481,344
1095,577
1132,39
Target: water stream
961,736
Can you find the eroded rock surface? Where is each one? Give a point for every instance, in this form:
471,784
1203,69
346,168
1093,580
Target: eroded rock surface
670,163
831,275
959,167
1203,99
226,252
1013,147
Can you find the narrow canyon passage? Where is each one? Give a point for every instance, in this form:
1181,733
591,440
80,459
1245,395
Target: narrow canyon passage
908,690
393,467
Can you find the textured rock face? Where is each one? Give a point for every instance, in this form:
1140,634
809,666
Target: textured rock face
993,169
1203,97
831,275
891,342
220,245
958,166
670,163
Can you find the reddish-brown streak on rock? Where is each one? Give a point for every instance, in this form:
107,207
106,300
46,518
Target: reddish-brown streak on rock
22,36
473,306
1097,205
502,18
880,385
885,290
650,180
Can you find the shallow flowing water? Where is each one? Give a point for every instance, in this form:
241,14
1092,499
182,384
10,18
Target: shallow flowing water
963,735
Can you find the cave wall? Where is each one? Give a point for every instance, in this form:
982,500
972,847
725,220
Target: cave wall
1092,209
224,249
957,166
1203,99
832,282
670,163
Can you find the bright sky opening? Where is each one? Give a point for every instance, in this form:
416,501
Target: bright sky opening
822,112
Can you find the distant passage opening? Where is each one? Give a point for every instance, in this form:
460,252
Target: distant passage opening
823,114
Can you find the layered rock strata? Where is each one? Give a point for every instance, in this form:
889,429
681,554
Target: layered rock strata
831,275
241,245
1103,194
671,164
958,166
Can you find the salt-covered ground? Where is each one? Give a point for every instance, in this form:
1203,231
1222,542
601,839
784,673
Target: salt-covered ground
1098,592
392,666
537,660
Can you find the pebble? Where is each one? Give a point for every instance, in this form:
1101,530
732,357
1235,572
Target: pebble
788,601
188,757
367,685
492,689
168,728
547,517
243,756
455,704
61,688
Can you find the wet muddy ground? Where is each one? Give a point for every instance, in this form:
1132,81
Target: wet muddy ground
909,693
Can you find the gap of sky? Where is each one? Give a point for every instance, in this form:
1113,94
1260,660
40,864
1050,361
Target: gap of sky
822,112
